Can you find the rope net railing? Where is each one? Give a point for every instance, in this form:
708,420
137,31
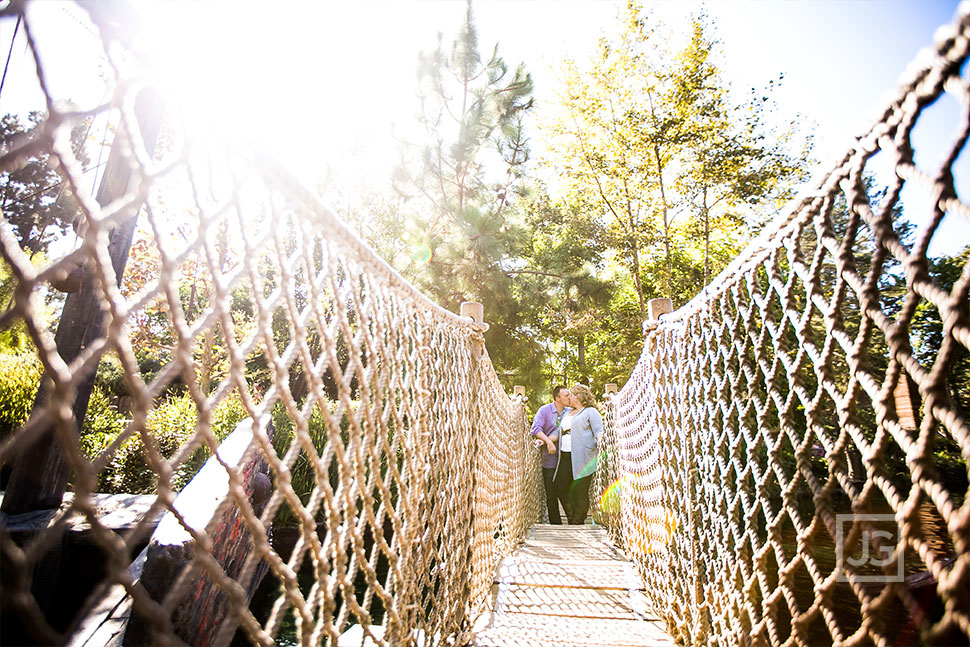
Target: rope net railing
787,465
382,473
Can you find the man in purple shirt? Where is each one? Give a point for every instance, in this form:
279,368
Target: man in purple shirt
545,429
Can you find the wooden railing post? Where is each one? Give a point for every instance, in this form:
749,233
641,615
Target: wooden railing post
473,310
657,307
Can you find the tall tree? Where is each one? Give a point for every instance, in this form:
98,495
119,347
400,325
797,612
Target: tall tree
461,183
558,282
646,134
613,140
461,175
728,163
33,197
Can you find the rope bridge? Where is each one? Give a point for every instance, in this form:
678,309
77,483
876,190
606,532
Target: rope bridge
791,415
772,426
422,475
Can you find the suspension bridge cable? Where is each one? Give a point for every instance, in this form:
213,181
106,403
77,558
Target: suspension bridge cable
6,65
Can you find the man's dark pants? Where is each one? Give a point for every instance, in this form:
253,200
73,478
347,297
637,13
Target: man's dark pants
555,492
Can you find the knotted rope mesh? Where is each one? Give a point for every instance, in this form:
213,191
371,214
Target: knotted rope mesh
400,471
791,450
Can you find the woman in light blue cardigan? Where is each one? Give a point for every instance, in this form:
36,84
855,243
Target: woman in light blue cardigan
585,428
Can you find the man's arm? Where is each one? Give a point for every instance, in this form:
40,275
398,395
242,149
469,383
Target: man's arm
542,419
539,422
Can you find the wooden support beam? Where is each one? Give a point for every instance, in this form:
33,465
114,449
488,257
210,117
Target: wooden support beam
40,472
201,615
906,397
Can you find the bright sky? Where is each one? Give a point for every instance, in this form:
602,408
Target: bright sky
312,81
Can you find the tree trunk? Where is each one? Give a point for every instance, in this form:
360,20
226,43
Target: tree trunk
663,202
581,355
41,471
668,261
635,260
705,214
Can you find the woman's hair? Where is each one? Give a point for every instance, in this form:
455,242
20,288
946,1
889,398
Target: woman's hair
585,396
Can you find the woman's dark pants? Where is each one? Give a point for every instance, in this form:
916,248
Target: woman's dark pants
579,500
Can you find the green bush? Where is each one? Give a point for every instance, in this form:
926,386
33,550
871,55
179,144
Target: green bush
148,365
110,377
225,417
170,424
102,424
227,414
19,378
302,472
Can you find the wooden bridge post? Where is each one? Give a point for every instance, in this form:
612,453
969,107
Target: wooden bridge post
657,307
474,310
907,401
206,504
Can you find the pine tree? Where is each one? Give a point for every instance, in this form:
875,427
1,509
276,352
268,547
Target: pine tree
461,177
461,185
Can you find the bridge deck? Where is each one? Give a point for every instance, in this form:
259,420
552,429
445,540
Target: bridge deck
568,586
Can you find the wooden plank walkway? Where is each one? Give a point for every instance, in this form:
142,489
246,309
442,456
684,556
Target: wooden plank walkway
568,586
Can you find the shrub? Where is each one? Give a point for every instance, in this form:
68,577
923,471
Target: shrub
19,378
171,424
302,473
227,414
110,377
148,365
102,424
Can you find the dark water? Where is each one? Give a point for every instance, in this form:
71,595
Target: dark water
270,590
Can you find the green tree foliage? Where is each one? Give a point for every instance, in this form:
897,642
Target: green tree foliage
460,186
558,283
727,164
667,170
472,114
14,337
926,330
33,198
648,139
